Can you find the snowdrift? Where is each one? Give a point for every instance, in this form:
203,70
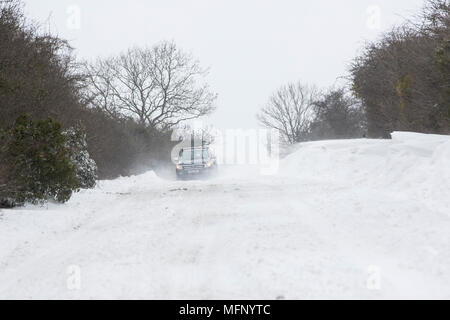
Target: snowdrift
410,163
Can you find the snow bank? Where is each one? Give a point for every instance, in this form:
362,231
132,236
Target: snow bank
130,184
412,163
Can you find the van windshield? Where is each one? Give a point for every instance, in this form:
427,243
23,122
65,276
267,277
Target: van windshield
198,155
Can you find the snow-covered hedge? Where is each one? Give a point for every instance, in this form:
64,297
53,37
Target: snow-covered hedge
39,161
86,167
35,163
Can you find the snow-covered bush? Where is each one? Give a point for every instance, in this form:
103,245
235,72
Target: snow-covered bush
35,163
86,168
39,161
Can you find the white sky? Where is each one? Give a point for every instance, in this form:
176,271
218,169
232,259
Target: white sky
251,46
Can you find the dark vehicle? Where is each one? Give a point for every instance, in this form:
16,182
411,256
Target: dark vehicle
196,162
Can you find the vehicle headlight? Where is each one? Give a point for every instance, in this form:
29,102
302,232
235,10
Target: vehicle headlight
179,167
208,165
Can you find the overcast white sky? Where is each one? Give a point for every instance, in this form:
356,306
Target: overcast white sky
251,46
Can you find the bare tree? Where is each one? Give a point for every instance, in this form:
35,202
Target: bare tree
158,86
291,111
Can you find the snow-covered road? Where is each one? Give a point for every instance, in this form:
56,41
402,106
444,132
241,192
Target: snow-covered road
341,219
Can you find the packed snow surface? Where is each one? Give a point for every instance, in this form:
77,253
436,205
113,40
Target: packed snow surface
351,219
